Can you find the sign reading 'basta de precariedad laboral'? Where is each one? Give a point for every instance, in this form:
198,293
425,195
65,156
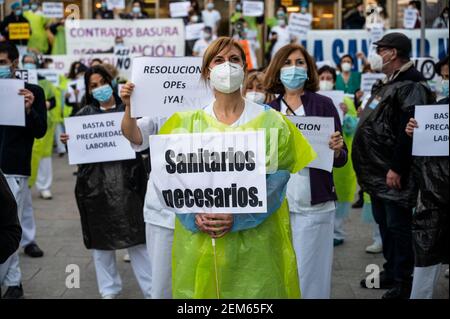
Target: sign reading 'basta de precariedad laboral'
432,135
210,172
164,86
97,138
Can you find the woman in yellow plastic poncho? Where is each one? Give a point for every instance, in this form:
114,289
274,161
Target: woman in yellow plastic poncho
255,256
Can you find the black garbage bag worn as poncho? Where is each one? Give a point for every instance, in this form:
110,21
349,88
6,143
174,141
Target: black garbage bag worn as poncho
430,224
380,142
110,198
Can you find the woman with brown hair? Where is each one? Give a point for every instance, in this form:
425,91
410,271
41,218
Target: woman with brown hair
311,195
255,255
253,88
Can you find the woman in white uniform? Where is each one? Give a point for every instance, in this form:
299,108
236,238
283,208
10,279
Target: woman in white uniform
311,195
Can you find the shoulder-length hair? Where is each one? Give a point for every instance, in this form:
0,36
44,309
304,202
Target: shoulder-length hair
272,82
107,78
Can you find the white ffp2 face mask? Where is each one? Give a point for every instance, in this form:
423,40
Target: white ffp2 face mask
346,67
376,62
326,85
256,97
227,77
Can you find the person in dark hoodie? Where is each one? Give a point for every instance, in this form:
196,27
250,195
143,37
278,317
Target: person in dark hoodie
110,199
430,219
16,144
16,16
382,158
10,231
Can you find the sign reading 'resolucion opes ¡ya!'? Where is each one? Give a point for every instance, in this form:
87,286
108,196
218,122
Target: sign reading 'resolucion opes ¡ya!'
432,135
164,86
210,172
97,138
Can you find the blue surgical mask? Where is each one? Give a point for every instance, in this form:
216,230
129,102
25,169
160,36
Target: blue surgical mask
18,12
102,93
26,7
34,7
29,66
445,88
293,77
136,10
5,72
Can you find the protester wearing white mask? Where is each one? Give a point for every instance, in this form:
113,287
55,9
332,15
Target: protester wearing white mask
224,68
254,90
202,44
280,33
348,80
211,17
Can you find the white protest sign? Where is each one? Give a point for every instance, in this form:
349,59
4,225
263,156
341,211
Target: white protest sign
97,138
164,86
72,87
179,9
338,98
149,37
53,9
409,18
210,172
369,79
50,75
253,8
432,135
194,31
29,76
300,24
317,130
12,106
115,4
376,32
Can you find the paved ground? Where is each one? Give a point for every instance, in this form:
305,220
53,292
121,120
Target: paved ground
59,235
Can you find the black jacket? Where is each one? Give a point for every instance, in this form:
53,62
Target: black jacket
110,198
4,27
10,230
16,142
381,144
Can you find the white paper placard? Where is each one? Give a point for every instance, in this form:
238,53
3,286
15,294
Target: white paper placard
164,86
338,98
29,76
409,18
53,9
12,105
179,9
376,32
369,79
300,24
115,4
317,130
194,31
432,135
224,172
97,138
253,8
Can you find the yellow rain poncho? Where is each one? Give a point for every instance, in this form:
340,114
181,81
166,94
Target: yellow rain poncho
257,262
43,147
345,177
38,39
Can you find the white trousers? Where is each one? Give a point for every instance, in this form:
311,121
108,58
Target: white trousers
10,274
424,281
376,234
159,245
45,174
339,219
313,243
108,278
60,147
27,221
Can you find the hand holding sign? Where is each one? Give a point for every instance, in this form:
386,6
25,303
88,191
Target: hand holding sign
215,225
29,99
412,124
336,143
